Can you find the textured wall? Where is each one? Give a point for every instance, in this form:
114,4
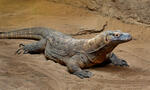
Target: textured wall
131,11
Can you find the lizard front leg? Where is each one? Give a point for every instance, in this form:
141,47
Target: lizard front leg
36,47
116,61
74,65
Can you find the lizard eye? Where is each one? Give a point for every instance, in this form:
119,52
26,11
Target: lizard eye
116,34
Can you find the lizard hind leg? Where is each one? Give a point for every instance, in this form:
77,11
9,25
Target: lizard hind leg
36,47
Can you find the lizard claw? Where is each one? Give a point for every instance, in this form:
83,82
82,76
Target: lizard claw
21,50
21,45
83,74
121,63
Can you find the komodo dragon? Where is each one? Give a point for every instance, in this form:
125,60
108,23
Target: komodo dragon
76,54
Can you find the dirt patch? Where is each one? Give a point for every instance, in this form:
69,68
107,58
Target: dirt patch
34,72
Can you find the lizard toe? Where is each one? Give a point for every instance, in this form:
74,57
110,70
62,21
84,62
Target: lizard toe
120,63
21,49
83,74
124,63
21,45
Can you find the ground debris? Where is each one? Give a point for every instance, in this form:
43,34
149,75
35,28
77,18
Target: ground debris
90,31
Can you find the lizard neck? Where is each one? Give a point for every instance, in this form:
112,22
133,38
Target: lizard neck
95,43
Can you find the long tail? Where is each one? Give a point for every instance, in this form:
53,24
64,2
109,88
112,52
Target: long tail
26,33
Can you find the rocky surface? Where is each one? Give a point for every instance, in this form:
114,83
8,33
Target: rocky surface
129,11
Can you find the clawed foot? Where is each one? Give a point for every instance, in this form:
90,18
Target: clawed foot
83,74
21,49
120,63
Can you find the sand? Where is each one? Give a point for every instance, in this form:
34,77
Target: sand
34,72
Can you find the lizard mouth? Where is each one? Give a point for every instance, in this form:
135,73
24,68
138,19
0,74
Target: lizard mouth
106,39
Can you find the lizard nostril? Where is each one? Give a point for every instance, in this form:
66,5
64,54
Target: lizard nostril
130,37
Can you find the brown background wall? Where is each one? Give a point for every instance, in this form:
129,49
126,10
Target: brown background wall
129,11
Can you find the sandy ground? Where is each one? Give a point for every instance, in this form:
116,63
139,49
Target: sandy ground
34,72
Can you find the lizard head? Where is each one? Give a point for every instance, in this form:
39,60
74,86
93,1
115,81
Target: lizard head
117,37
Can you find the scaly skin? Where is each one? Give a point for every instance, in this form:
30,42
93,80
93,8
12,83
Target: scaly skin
76,54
